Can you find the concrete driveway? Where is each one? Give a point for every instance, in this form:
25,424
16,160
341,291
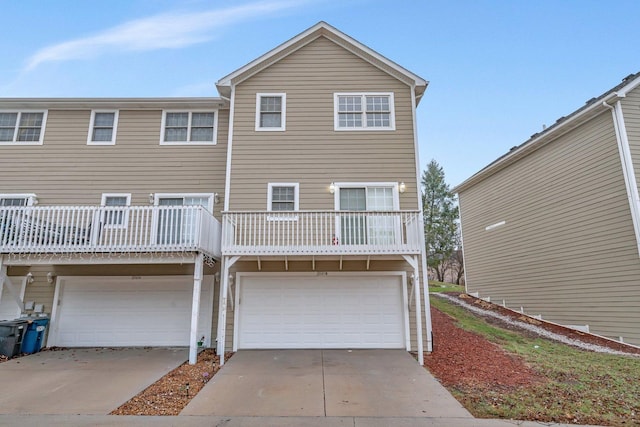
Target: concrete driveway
82,381
329,383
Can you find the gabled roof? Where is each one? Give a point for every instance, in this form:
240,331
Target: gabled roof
115,103
592,108
322,29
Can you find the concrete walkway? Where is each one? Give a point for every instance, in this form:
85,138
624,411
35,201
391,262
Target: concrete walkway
81,381
324,383
209,421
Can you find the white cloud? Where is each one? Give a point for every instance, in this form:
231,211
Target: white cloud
164,31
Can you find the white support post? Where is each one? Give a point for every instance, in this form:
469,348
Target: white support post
416,289
222,305
195,308
4,280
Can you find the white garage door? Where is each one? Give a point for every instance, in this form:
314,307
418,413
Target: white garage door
129,311
333,311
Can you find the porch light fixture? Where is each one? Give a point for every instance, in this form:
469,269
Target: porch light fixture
30,277
332,188
402,188
152,198
216,198
50,277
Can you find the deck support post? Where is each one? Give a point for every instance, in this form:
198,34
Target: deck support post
195,308
413,262
227,262
5,281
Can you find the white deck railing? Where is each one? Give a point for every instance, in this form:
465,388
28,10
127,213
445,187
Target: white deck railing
321,233
108,229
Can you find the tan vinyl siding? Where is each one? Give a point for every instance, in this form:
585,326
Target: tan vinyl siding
568,249
66,171
310,151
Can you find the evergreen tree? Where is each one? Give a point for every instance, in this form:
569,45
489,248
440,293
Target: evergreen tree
440,219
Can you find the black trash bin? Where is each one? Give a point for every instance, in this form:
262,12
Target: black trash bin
34,335
11,336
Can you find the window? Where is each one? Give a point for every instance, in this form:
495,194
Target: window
22,127
112,216
271,111
103,128
282,197
17,200
376,228
366,111
175,225
189,127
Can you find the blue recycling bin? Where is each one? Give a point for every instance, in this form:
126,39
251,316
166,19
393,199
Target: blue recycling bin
33,337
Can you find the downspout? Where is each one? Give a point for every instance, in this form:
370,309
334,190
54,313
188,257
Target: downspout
423,249
627,167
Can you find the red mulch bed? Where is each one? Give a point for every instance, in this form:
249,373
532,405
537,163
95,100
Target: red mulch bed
465,359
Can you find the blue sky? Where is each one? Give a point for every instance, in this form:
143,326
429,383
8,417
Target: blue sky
498,69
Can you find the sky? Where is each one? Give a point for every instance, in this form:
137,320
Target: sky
498,70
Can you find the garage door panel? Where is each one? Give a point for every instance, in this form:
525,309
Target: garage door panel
320,312
122,311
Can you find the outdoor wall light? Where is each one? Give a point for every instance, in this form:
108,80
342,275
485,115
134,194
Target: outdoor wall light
50,277
402,188
152,198
332,188
30,277
216,198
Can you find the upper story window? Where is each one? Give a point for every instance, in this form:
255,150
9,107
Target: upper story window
113,217
282,197
103,128
364,111
22,127
271,111
188,127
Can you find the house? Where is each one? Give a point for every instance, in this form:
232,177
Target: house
284,213
553,226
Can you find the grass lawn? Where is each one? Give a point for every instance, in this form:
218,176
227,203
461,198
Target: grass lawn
435,286
581,387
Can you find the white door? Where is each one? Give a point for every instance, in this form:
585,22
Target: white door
332,311
129,311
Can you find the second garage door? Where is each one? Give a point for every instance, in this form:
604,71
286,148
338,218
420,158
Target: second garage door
129,311
332,311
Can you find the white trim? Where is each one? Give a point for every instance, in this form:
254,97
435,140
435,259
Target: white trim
423,245
210,196
296,194
215,112
627,169
125,216
31,197
402,274
114,128
17,126
227,179
52,338
364,127
283,112
392,185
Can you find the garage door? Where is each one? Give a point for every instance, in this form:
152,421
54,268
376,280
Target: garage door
320,312
129,311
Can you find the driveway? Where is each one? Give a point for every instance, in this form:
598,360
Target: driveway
331,383
82,381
